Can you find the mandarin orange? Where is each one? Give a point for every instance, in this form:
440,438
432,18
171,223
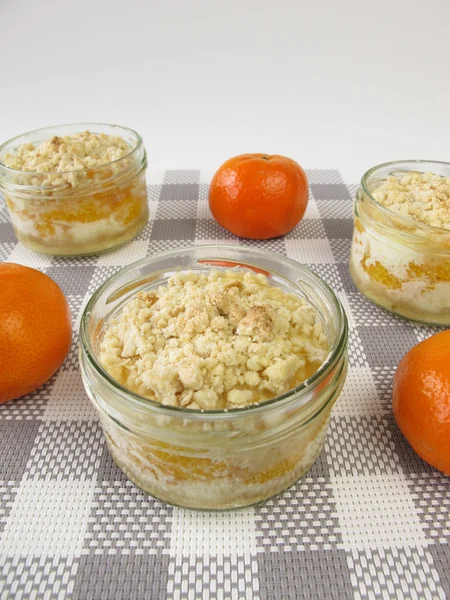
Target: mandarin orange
258,196
35,330
421,399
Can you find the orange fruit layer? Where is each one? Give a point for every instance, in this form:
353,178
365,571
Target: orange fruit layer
434,274
258,196
359,226
380,274
421,399
35,330
182,467
124,206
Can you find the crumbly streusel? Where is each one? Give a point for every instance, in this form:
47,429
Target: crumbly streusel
424,197
59,156
218,340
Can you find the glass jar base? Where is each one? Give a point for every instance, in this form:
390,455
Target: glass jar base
245,500
99,247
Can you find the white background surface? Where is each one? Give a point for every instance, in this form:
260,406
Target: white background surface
344,84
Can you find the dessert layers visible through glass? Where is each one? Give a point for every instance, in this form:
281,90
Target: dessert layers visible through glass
400,253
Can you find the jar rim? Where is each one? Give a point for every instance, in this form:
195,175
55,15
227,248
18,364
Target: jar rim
83,127
409,221
335,353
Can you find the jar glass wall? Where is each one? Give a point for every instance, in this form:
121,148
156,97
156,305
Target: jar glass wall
397,262
84,211
224,458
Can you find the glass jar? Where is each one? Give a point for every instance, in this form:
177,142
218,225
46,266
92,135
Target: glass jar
397,262
217,459
84,211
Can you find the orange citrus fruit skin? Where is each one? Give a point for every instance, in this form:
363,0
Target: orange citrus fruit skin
421,399
258,196
35,330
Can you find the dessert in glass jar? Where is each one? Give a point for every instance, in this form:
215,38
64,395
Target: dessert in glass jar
75,189
400,253
213,371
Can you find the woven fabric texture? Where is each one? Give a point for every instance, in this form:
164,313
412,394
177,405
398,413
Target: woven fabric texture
369,521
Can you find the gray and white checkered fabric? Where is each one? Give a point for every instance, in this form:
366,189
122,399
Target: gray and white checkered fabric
370,520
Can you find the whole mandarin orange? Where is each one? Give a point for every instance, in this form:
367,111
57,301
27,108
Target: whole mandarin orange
421,399
35,330
258,196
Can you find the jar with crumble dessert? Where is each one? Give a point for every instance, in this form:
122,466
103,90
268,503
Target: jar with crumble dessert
213,371
75,189
400,253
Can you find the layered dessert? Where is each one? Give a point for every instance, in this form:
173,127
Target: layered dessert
400,256
220,341
76,194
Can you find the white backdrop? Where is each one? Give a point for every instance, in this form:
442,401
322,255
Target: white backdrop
342,84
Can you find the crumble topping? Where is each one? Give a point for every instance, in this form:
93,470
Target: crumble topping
212,341
59,155
424,197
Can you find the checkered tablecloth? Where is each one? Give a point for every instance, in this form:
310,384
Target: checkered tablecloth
370,519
